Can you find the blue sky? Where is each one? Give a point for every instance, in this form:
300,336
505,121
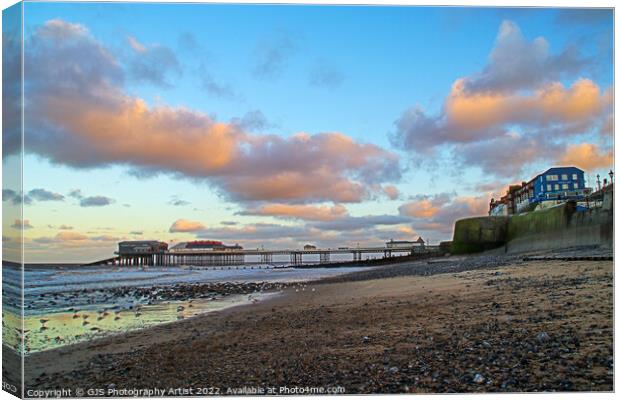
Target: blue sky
377,76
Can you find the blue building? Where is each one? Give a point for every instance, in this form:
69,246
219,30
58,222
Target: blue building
555,184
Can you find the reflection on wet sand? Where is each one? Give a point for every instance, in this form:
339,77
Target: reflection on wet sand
74,325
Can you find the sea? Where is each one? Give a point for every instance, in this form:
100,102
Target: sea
69,304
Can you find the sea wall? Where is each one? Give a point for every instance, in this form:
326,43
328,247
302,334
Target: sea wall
472,235
558,227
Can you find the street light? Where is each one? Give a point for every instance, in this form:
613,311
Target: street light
611,176
598,181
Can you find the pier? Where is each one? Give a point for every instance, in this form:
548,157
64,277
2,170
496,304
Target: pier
228,257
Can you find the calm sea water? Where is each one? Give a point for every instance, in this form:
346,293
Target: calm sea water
65,305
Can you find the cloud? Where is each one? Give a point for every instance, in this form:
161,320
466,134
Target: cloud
74,240
254,232
391,192
252,121
137,233
215,88
425,206
76,194
11,87
350,223
135,45
607,128
35,194
106,238
229,223
505,155
96,201
512,113
176,201
325,76
273,54
183,225
65,227
152,63
552,103
19,225
45,195
437,214
300,211
470,117
12,196
515,63
67,236
187,41
84,120
587,156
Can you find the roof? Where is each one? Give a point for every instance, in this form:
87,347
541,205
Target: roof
554,170
140,242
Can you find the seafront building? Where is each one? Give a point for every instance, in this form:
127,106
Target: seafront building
555,185
396,244
214,245
137,247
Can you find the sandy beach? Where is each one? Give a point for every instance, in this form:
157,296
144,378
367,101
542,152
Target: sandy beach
447,325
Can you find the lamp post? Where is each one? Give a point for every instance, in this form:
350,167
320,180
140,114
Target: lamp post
598,181
611,176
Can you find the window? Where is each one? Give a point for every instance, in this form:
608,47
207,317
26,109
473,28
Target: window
564,177
575,177
565,186
552,178
556,187
548,187
575,185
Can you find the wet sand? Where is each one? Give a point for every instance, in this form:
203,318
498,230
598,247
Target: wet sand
458,325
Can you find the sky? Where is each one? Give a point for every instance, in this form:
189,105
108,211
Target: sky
278,126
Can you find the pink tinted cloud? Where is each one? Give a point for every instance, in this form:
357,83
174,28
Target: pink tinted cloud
136,45
391,192
514,111
438,213
552,103
587,156
184,225
85,119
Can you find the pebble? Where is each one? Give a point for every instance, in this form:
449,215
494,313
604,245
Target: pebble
543,337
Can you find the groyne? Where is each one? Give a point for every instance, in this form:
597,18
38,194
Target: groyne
559,227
